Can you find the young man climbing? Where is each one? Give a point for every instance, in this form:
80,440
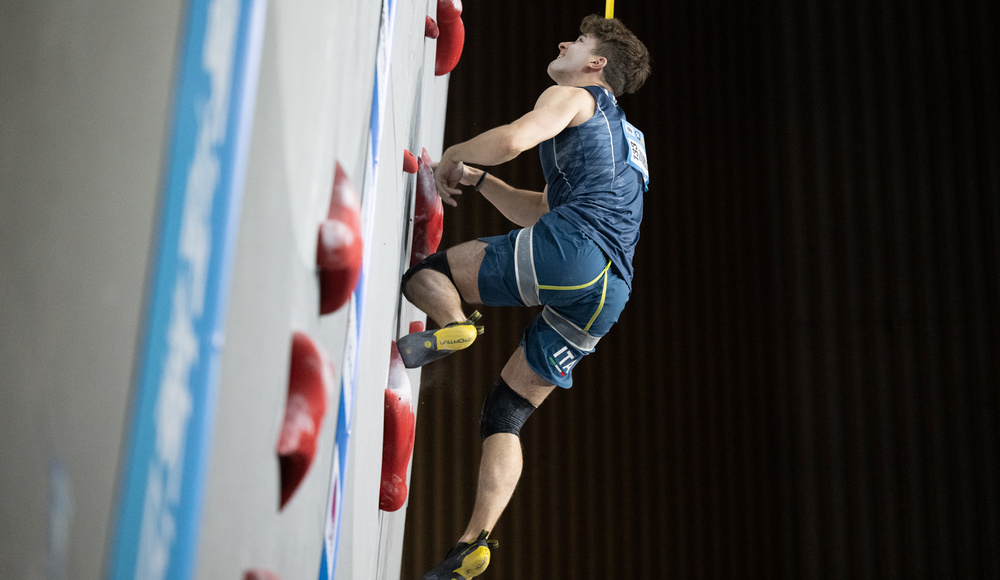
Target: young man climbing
574,255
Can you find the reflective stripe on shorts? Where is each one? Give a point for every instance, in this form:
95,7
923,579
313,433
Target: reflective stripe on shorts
524,268
570,332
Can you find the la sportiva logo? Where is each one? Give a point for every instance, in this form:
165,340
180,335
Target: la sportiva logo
563,360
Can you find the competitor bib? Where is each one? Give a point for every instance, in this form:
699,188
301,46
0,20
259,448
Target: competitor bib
636,151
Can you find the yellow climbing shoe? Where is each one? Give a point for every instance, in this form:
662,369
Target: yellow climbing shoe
465,561
420,348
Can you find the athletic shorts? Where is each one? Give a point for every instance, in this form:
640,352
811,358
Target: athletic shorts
552,264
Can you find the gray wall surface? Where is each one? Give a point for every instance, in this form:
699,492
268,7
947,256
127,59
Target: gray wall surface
85,118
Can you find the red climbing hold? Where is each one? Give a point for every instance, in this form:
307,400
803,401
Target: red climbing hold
260,574
409,162
430,28
449,10
310,378
428,213
451,38
339,245
397,439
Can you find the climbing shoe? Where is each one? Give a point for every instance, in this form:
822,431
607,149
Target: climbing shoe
420,348
465,561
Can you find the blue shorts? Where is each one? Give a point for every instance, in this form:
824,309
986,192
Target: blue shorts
553,264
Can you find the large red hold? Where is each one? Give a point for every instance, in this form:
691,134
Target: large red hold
397,439
428,212
451,36
339,245
310,378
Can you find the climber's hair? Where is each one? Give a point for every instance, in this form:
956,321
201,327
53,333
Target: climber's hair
628,60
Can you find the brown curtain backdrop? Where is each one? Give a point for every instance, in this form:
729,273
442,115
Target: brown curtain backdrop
804,383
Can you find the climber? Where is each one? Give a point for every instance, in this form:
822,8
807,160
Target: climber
573,255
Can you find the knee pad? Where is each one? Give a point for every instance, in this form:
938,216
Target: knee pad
504,411
438,261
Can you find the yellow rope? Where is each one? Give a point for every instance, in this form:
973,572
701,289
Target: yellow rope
609,9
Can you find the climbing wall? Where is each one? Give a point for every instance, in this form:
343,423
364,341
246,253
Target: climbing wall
210,206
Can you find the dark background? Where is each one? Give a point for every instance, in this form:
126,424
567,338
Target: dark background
804,383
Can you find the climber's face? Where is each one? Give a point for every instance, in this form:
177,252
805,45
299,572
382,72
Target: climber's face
576,57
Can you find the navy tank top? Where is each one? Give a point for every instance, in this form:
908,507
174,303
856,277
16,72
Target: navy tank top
594,182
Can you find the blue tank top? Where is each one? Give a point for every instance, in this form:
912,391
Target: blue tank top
592,184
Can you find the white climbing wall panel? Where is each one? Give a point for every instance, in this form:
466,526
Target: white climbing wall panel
86,123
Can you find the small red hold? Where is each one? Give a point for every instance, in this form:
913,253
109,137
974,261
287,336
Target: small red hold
310,378
416,326
451,39
430,28
398,435
339,245
409,162
260,574
428,213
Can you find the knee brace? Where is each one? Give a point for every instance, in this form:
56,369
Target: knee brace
438,261
504,411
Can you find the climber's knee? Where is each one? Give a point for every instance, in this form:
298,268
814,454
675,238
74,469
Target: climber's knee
438,261
504,411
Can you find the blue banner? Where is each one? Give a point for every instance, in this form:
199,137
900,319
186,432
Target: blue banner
165,452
